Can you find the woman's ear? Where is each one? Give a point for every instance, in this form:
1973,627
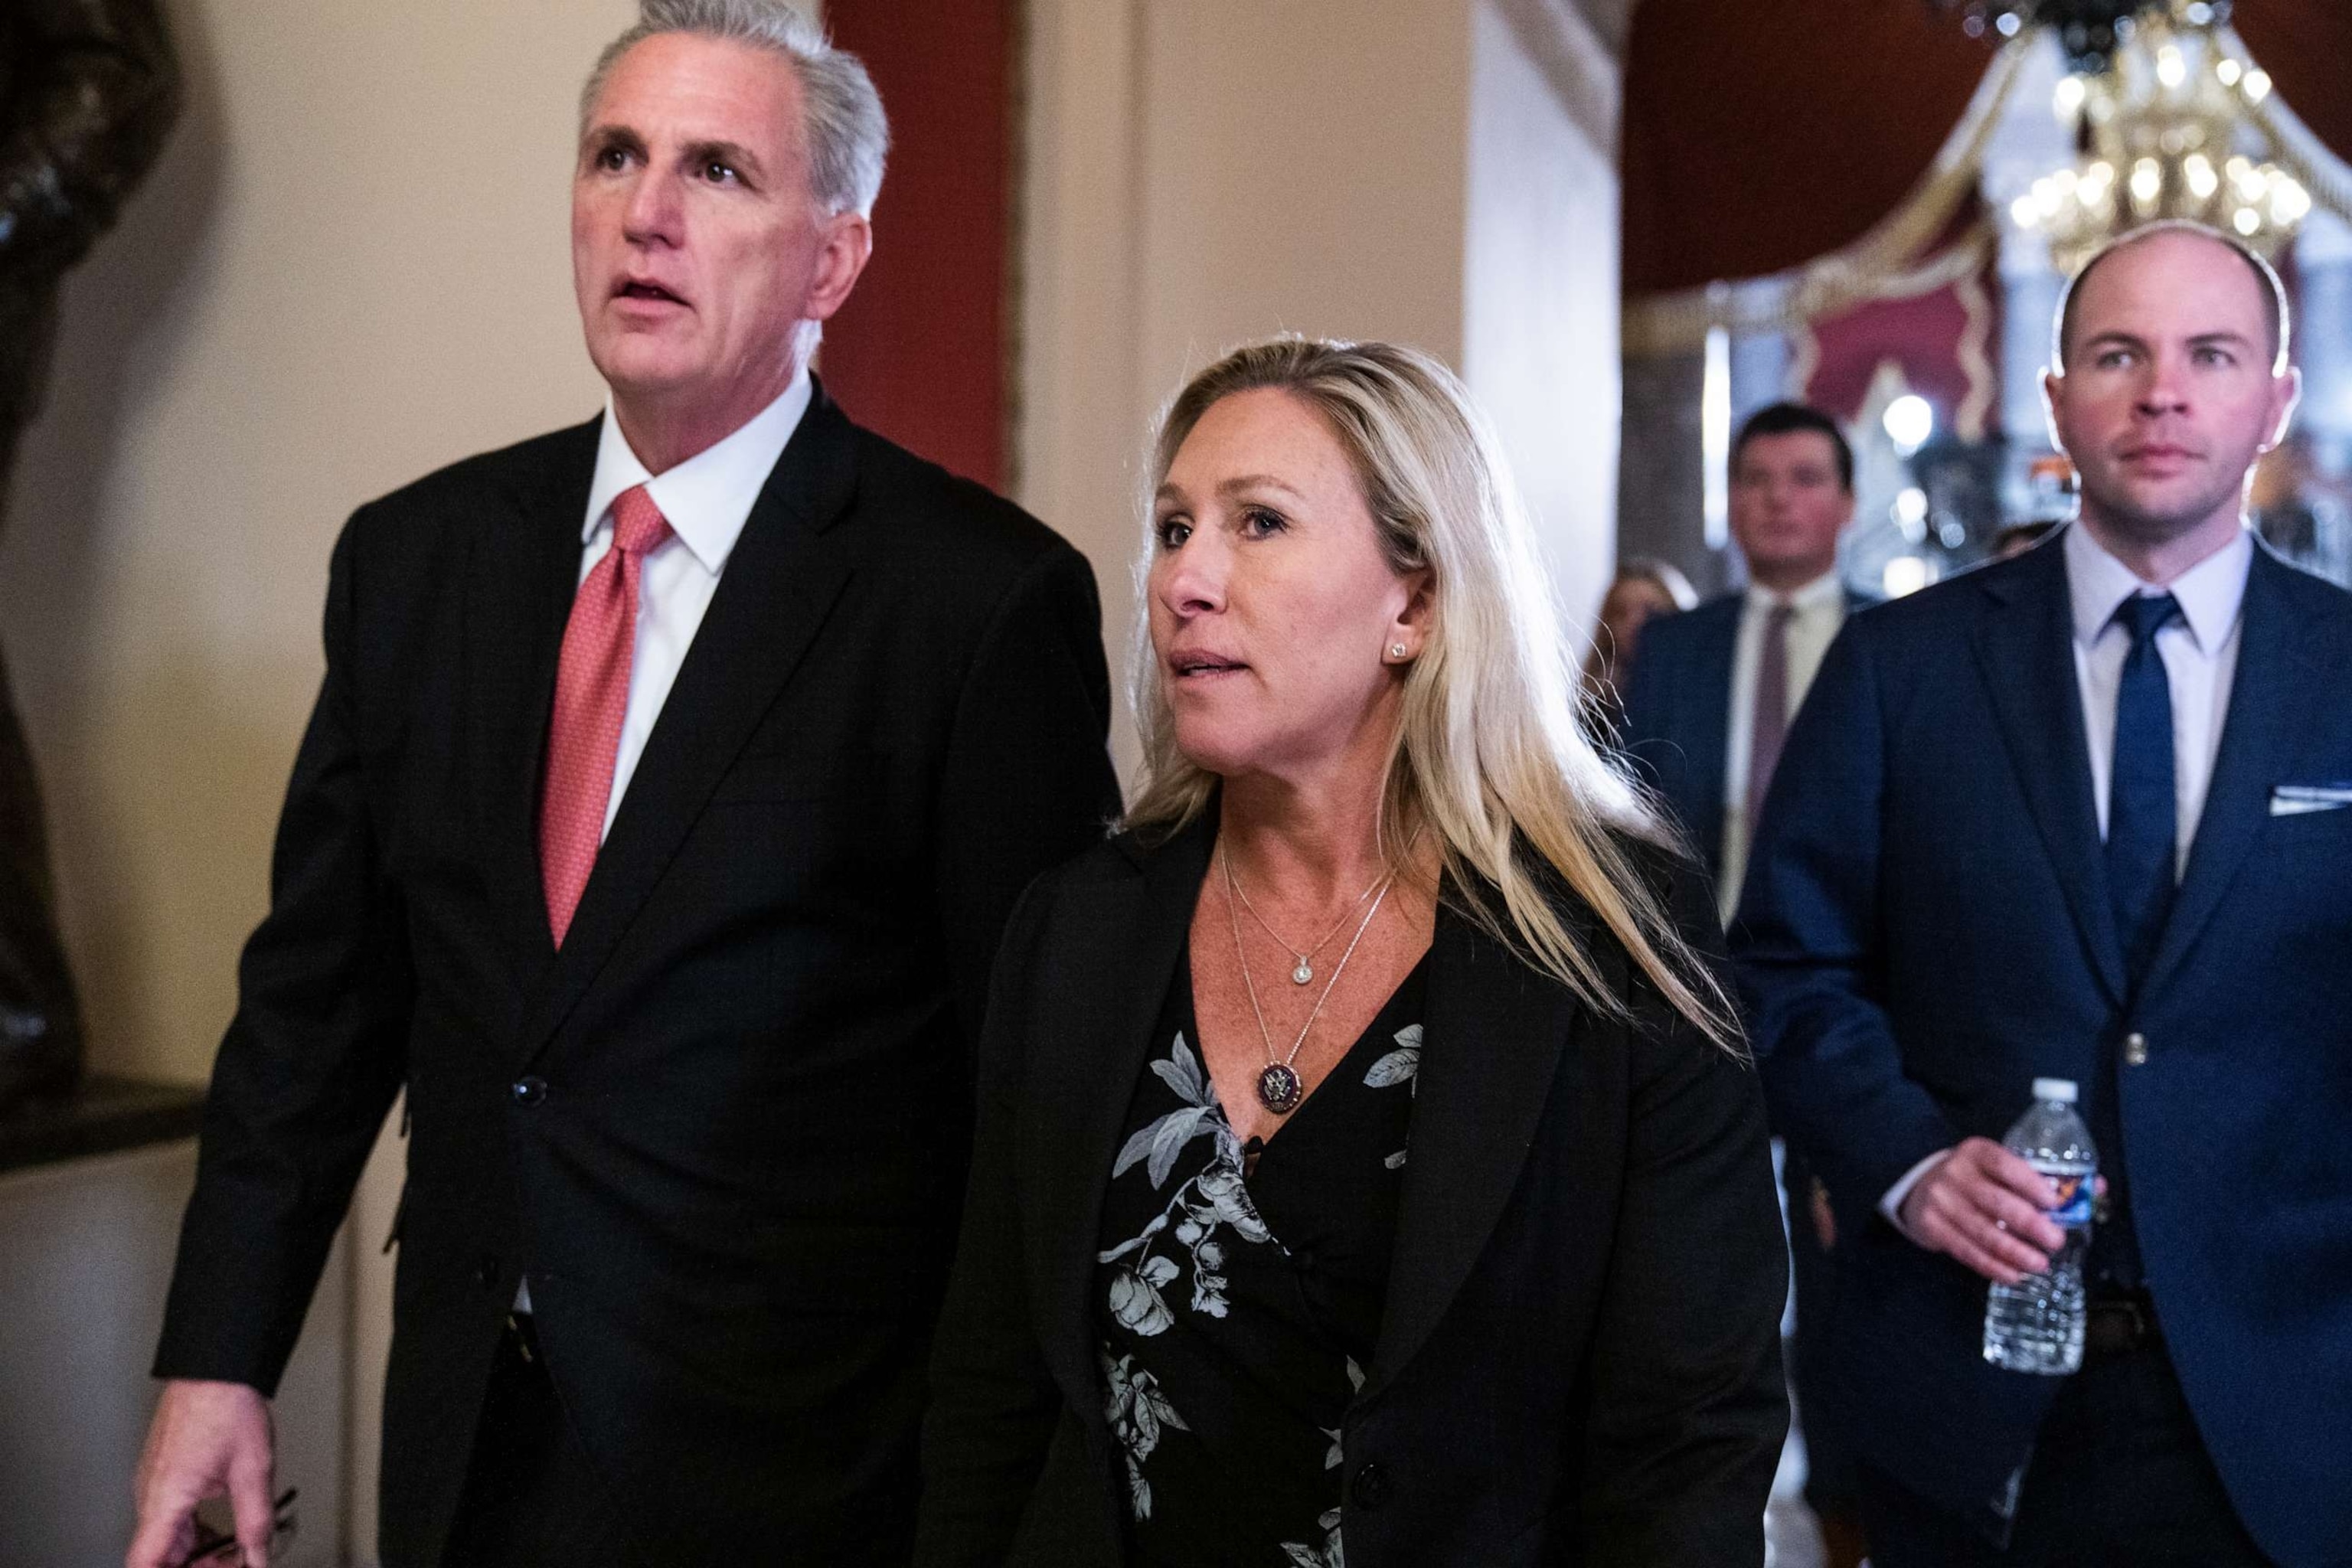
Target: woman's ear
1410,631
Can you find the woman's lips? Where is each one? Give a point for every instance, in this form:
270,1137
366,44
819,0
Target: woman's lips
1203,667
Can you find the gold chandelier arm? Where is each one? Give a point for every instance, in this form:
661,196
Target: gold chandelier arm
1872,267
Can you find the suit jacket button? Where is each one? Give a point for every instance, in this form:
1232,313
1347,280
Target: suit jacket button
1370,1489
530,1090
2135,1049
486,1272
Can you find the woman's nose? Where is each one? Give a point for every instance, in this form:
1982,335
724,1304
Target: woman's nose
1194,576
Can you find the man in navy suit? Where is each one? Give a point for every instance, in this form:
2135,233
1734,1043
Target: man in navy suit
1693,719
1707,702
2079,814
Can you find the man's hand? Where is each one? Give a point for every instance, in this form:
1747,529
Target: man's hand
208,1439
1987,1207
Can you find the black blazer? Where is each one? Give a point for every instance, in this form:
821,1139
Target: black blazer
723,1132
1580,1360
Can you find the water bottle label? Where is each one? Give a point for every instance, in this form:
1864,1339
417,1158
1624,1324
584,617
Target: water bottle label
2074,1192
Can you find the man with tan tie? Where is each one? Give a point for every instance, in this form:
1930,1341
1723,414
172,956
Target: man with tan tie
670,782
1707,703
1711,692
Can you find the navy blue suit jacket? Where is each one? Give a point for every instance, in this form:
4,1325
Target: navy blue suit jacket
1677,697
1677,725
1926,929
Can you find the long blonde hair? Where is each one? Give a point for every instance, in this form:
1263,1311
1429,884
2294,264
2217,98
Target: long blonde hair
1489,757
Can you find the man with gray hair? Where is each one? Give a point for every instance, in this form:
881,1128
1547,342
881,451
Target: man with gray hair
670,782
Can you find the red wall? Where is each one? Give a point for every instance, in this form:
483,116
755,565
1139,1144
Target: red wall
920,352
1758,137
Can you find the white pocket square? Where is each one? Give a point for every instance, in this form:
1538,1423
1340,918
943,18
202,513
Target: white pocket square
2296,800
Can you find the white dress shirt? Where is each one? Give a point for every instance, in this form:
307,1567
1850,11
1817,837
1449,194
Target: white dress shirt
707,499
1819,611
2200,649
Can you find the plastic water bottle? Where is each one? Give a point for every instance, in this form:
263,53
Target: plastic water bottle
2036,1324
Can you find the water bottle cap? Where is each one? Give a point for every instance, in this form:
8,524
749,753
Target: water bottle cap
2061,1089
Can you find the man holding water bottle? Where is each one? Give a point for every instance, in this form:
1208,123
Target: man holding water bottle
2085,815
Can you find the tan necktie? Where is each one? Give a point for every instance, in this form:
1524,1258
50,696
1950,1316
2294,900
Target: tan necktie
1771,725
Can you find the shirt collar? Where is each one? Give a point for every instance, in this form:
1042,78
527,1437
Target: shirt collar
2211,593
1822,592
708,498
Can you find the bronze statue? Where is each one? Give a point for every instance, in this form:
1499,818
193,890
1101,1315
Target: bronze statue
88,89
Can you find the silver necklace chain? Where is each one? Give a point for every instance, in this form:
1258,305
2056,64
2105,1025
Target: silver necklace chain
1279,1086
1303,971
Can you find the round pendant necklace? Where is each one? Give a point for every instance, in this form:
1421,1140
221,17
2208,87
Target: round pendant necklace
1279,1086
1303,971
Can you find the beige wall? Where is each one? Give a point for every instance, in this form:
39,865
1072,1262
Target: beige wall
1539,277
351,267
1203,172
87,1246
1301,169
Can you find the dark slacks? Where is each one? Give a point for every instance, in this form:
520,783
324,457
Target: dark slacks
2120,1478
532,1499
1813,1274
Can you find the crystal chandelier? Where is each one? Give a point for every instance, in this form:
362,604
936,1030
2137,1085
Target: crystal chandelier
2156,101
2087,29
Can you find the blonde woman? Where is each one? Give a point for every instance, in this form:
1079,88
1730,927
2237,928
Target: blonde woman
1366,1152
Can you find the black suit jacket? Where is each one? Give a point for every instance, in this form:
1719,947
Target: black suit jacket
1579,1362
1677,733
723,1132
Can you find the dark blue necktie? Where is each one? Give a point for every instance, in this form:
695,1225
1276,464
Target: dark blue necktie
2142,805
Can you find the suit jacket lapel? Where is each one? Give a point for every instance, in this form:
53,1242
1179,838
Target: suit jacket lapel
1492,1035
523,572
1710,730
1125,937
2024,647
2258,741
782,580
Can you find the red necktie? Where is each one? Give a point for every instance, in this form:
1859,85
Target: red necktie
592,699
1771,725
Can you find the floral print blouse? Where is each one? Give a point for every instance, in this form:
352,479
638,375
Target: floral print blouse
1238,1304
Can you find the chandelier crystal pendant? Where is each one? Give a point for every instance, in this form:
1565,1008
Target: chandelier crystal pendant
2088,30
2160,104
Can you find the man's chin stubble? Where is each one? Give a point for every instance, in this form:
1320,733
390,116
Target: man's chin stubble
2147,526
